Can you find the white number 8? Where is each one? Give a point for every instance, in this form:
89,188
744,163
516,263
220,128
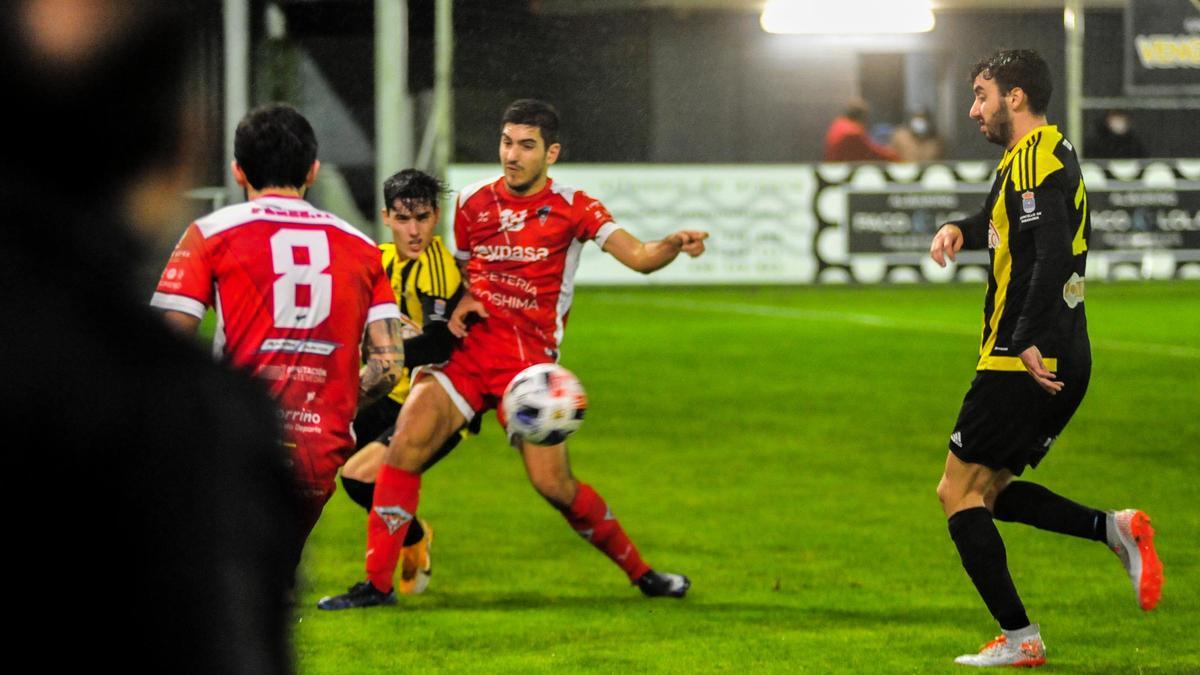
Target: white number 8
284,244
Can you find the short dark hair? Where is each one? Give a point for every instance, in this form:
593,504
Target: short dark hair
534,113
1022,68
275,146
412,188
857,110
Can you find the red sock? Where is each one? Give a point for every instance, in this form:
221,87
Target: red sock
396,494
590,517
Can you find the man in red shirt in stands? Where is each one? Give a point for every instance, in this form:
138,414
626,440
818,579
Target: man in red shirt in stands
847,139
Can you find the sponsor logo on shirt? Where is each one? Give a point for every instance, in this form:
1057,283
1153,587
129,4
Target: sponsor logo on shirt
512,221
506,252
1073,290
512,280
301,421
956,438
291,346
509,301
293,373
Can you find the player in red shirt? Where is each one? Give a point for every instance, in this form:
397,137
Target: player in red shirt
519,238
293,289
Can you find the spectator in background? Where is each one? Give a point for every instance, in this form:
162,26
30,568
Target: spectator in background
915,140
1114,138
847,139
153,508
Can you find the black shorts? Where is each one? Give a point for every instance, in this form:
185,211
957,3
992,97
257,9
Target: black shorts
1008,422
375,421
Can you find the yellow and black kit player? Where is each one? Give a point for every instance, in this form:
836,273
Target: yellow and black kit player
1034,358
1035,224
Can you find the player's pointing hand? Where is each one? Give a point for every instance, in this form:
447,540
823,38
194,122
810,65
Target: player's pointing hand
690,242
946,243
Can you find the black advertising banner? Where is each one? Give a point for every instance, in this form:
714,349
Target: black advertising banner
1162,47
1130,218
1139,219
905,220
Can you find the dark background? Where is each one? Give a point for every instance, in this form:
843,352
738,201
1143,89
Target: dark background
658,85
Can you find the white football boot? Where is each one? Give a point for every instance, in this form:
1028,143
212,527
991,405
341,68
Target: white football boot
1018,648
1132,539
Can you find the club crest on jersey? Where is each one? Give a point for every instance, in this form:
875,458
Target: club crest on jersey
1027,203
393,517
543,213
512,221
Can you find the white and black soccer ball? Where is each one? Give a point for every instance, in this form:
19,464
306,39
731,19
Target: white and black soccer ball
544,404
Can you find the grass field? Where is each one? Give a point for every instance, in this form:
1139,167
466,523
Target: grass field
781,446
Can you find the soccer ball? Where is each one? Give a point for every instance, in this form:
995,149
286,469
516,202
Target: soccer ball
544,404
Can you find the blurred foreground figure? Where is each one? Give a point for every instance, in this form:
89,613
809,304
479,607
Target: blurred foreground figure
1035,358
157,533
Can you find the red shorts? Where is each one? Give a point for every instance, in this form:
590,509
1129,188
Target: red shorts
480,369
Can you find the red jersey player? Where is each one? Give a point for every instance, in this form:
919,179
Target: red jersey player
519,238
293,288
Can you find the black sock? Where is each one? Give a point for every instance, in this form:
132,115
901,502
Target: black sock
415,532
983,557
1032,504
364,493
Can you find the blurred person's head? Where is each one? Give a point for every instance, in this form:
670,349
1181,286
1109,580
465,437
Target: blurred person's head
412,208
528,144
274,147
1117,122
857,110
98,89
920,124
1012,91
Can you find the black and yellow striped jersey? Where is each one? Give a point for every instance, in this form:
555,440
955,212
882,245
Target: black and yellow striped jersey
1036,225
426,290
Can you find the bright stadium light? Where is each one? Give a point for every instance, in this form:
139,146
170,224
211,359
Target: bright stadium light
847,17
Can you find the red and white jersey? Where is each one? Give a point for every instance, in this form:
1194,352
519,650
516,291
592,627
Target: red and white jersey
522,254
293,289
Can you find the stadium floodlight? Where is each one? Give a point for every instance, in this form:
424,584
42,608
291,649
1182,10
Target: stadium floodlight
847,17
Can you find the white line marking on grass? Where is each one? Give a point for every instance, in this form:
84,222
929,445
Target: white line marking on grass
871,320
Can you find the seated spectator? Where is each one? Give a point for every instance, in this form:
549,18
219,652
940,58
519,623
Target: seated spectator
847,139
915,140
1114,138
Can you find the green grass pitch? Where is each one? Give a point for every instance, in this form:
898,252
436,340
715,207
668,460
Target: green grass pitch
781,446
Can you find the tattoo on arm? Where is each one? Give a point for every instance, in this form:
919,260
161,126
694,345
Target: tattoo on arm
385,361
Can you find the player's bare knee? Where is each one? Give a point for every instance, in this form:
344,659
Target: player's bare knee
944,490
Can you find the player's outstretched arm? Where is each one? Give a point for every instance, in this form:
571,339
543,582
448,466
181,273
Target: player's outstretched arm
385,361
647,257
